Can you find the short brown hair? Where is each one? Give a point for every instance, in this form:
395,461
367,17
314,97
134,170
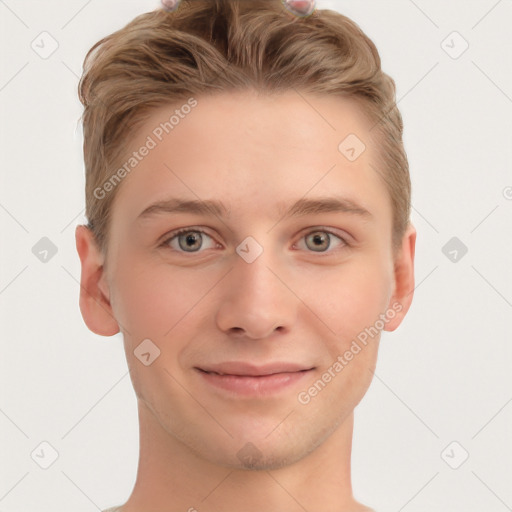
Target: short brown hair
212,46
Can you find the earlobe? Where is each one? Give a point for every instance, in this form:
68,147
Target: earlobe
94,293
404,280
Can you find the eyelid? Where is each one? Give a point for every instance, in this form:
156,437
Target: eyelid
344,238
166,239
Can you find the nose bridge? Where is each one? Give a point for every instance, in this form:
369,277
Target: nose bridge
255,301
254,282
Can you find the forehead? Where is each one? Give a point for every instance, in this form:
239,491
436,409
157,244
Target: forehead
251,149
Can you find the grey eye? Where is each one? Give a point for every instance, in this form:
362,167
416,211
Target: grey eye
190,241
318,241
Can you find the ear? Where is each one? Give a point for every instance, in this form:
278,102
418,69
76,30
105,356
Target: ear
94,292
404,279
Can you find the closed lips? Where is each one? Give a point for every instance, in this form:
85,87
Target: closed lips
248,370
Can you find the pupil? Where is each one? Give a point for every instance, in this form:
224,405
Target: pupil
192,240
320,241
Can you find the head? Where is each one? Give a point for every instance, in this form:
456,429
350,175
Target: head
274,142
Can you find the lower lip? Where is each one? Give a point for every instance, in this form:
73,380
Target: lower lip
250,385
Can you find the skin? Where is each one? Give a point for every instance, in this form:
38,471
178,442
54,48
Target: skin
256,154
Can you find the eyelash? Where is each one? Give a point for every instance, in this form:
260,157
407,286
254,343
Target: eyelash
175,234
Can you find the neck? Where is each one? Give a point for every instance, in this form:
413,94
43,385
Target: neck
172,478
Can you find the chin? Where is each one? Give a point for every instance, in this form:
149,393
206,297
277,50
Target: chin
251,458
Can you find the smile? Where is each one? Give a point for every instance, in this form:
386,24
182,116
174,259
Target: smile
251,381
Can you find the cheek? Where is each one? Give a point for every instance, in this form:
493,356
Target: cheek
349,301
349,298
151,300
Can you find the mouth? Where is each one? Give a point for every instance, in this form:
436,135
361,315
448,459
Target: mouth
245,379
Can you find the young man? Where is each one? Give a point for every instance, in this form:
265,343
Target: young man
248,200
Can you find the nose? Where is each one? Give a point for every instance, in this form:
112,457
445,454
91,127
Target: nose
255,301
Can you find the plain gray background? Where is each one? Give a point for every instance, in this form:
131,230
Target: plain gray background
443,385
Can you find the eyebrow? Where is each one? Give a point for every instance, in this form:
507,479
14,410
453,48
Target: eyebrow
217,208
205,207
325,205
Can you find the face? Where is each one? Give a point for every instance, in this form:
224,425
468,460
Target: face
257,259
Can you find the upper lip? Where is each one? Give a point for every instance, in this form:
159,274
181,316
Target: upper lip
251,370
